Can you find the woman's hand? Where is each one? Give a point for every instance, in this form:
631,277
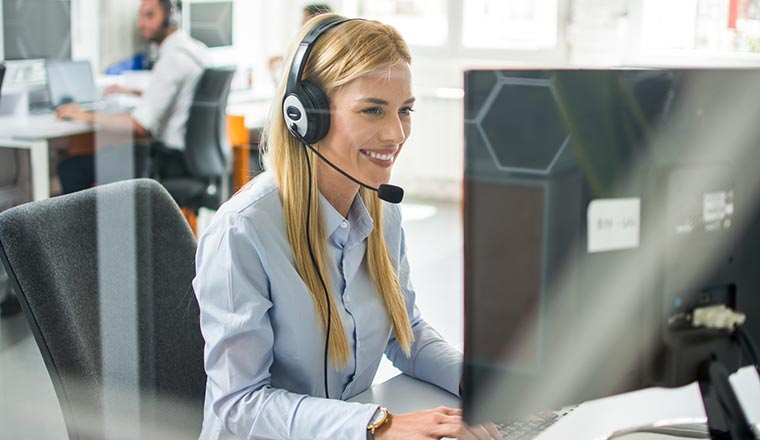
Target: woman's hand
119,90
434,423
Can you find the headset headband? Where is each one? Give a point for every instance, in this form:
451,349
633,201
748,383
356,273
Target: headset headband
304,49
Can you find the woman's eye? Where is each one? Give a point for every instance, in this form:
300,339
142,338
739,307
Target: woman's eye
406,111
372,111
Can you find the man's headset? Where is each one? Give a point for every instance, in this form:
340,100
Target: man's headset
168,7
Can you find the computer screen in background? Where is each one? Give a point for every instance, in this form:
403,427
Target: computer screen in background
71,82
36,29
602,208
211,22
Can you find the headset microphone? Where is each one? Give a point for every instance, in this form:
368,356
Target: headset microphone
389,193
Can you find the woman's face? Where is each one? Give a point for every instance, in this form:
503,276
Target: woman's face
370,119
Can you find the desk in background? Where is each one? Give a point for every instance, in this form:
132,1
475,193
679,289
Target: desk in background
39,134
43,134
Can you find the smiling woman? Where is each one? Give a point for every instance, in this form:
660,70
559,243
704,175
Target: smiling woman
303,278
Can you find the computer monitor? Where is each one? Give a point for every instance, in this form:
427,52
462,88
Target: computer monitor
36,29
211,22
605,210
70,82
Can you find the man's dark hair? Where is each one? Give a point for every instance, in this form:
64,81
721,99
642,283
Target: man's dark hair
317,8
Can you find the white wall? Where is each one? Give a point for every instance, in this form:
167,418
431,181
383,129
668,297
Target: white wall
119,38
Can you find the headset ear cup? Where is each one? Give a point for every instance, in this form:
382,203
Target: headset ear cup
317,112
168,9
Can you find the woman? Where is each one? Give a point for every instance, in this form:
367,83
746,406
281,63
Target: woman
303,229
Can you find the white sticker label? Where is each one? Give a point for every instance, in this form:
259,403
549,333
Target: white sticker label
717,210
613,224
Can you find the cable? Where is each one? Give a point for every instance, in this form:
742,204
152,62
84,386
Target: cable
749,346
316,266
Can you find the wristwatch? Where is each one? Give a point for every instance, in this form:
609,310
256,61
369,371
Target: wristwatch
380,418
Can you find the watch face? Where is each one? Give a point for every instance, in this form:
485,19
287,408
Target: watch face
377,417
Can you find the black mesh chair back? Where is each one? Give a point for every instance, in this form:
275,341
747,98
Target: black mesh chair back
207,150
104,279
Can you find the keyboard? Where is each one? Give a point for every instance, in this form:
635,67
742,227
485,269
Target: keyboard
529,427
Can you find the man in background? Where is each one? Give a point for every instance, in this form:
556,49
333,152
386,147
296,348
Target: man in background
309,11
314,9
161,114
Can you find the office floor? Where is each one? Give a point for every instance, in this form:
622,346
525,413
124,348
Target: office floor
28,406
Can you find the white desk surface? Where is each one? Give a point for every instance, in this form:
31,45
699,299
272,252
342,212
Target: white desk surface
39,127
591,420
32,132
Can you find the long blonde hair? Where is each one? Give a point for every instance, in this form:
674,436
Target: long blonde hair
339,56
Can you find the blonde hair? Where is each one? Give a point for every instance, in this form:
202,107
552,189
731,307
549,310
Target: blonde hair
342,54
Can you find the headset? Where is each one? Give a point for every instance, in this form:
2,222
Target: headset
305,106
306,109
168,7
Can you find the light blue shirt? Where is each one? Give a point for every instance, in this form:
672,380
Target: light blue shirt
264,344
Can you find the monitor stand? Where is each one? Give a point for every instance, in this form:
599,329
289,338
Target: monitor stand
725,417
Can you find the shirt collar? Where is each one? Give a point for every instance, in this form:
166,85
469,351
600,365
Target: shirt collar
360,222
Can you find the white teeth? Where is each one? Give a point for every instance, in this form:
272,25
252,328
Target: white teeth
379,156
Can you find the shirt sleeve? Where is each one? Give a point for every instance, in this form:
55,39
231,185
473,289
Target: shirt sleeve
432,359
165,84
232,289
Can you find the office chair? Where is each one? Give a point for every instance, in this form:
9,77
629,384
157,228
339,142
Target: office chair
104,279
207,150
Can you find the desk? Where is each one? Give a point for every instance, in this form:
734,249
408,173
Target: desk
34,133
591,420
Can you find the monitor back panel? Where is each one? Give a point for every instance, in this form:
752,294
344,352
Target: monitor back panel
580,189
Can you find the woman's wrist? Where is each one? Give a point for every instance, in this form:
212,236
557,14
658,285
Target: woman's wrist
380,418
381,430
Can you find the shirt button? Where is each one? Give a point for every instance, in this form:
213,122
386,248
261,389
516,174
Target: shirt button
344,224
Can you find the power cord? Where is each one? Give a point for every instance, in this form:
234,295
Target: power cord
748,346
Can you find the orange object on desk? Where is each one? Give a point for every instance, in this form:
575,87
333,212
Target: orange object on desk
240,140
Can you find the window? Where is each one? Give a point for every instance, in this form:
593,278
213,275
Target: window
702,25
421,22
515,24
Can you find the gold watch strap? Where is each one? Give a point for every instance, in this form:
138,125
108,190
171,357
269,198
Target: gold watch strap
385,417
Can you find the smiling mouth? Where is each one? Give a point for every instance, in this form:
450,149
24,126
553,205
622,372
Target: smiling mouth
378,156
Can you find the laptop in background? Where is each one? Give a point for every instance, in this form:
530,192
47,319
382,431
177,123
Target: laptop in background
71,82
